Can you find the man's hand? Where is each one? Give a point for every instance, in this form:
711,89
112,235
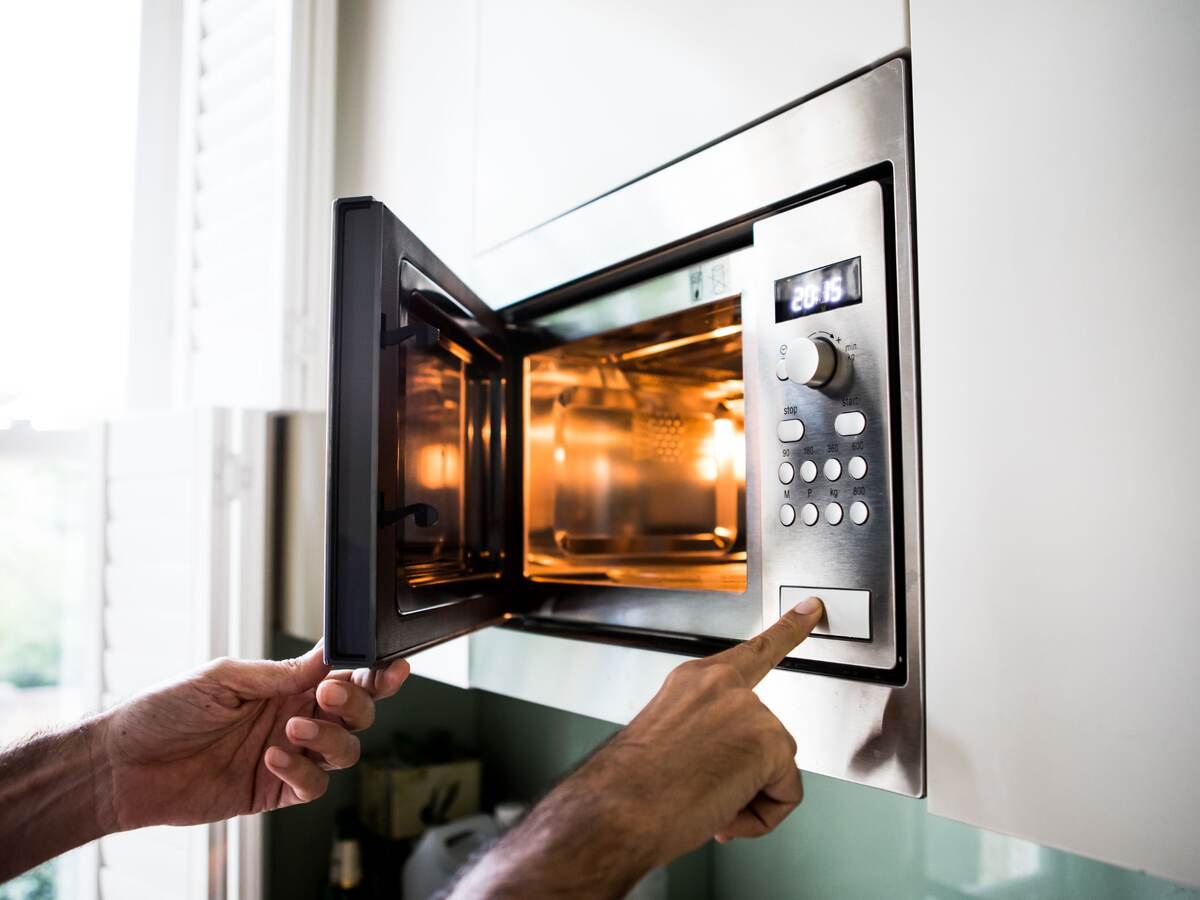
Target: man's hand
705,758
232,738
717,761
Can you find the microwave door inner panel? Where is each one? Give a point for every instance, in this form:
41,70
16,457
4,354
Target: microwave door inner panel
416,491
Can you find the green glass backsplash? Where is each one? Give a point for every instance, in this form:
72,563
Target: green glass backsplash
846,842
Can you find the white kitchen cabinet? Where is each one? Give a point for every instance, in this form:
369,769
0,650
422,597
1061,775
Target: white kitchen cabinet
475,122
1058,214
576,99
406,114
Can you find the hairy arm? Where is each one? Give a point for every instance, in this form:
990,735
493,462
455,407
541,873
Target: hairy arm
52,796
585,839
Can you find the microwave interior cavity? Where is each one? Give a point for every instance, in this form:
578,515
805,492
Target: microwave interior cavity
635,455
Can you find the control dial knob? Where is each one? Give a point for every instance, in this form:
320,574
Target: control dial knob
811,361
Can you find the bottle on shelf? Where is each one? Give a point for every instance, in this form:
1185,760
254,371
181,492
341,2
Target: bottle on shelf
345,860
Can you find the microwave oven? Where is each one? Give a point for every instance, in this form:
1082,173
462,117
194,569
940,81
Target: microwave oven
656,421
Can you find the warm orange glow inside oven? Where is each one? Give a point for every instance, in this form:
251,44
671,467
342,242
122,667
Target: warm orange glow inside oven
635,455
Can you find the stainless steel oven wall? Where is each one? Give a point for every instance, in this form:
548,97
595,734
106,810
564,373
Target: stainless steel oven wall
868,731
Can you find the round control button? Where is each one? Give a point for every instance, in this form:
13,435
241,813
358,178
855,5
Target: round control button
808,471
787,514
781,369
833,469
786,472
857,467
833,513
809,514
811,361
859,512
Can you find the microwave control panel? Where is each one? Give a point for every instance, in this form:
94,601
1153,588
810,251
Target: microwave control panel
824,407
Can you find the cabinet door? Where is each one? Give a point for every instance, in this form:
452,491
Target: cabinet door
1058,226
576,99
416,487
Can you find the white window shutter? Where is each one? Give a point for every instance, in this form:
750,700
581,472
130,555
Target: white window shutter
184,580
184,564
256,175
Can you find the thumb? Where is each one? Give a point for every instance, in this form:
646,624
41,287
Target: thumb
277,678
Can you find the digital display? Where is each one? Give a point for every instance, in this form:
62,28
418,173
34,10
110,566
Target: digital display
819,290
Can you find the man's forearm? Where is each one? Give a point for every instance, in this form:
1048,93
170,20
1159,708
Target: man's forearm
52,797
586,839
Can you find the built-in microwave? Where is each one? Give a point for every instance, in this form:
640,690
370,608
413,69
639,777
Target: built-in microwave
663,418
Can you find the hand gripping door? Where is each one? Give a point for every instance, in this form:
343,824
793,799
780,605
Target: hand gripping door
416,488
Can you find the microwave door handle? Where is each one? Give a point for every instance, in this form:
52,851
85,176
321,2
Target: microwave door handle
425,335
424,515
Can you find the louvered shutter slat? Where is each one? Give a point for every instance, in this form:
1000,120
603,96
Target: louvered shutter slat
225,43
220,200
149,586
245,278
216,15
223,122
247,219
249,147
231,238
223,84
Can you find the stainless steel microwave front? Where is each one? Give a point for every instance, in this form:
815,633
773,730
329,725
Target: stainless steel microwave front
818,312
682,408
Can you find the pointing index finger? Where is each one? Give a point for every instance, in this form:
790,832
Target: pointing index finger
754,658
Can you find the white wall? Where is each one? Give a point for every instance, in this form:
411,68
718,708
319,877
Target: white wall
1058,213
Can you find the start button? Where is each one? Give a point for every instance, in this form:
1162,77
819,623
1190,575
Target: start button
847,613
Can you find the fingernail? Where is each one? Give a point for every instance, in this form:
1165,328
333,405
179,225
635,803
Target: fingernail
279,758
303,729
807,605
335,695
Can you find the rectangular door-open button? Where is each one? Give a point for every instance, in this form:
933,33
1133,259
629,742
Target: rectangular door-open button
847,613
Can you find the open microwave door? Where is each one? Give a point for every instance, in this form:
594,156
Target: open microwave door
416,485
